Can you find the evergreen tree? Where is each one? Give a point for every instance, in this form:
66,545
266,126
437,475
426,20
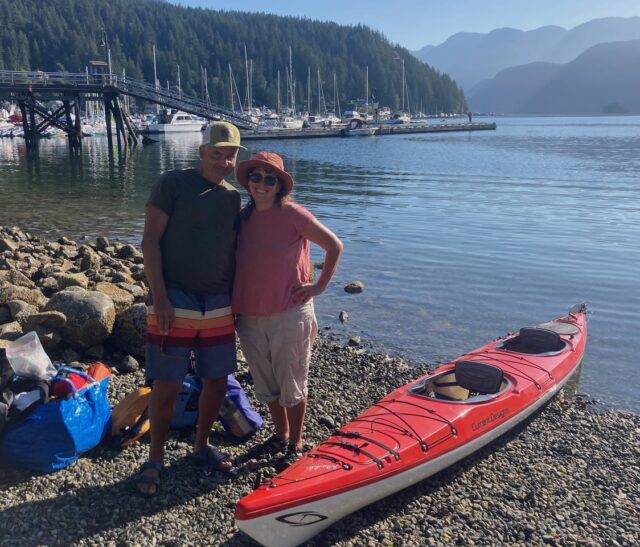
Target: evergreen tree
55,35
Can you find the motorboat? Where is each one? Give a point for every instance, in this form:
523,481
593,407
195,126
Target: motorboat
358,128
175,121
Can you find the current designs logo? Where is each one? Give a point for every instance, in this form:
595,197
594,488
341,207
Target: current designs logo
302,518
489,419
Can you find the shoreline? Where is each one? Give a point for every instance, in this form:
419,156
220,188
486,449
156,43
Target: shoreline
567,476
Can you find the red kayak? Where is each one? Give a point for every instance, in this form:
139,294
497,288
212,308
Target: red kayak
416,431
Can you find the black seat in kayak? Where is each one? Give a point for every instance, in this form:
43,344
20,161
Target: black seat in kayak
480,378
534,341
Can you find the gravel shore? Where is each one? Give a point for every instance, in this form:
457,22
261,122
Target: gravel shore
567,476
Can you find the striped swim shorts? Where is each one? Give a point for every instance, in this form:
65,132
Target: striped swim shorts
203,325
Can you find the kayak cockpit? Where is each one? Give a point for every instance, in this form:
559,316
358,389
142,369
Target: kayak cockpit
468,382
534,341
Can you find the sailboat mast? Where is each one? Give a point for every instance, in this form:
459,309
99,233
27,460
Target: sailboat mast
366,94
278,103
309,89
291,84
334,95
156,83
403,84
231,87
246,71
319,105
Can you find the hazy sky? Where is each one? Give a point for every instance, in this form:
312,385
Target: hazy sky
417,23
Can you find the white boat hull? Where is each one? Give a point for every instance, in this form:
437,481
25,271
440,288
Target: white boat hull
362,132
174,128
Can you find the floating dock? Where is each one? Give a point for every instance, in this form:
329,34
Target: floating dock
384,129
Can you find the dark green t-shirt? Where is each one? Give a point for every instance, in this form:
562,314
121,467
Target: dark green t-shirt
199,243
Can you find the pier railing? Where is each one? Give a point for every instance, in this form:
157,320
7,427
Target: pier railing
60,82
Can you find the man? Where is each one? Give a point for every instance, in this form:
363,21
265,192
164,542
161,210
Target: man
189,256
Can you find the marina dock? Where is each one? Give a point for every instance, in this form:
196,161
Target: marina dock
384,129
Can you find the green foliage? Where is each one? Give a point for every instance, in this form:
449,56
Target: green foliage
56,35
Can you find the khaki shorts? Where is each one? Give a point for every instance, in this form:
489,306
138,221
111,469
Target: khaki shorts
278,350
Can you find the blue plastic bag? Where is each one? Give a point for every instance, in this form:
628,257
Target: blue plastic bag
55,434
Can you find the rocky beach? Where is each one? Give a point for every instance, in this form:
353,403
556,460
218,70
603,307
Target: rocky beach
568,475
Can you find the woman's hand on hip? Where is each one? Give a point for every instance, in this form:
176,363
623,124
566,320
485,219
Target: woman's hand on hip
302,293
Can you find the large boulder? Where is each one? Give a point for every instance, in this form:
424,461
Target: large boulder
130,330
90,316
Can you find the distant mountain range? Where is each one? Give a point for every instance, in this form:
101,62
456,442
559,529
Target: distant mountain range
605,79
547,70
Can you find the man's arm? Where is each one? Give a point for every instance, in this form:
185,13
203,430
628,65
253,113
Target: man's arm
155,223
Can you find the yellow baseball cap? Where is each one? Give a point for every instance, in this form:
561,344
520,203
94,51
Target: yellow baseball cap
222,134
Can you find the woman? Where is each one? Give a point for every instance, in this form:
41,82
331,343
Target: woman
272,295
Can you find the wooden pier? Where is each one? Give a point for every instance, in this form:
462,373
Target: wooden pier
32,90
383,129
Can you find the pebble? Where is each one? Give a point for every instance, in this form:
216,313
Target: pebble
524,489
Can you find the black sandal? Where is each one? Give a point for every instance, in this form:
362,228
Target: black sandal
272,446
141,478
293,454
214,460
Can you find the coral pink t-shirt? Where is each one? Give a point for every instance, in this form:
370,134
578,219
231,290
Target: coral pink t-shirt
271,258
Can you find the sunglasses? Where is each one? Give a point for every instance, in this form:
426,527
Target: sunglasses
269,180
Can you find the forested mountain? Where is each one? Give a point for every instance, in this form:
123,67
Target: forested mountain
603,80
63,35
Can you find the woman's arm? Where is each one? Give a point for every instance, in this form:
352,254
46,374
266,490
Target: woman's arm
318,233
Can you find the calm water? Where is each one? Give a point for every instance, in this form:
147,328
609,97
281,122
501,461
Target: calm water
457,237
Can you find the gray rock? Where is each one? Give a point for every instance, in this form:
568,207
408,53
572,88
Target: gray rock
71,280
138,292
128,252
121,299
95,352
128,364
343,316
20,311
327,421
122,277
48,285
7,245
90,316
49,338
102,243
89,259
130,330
47,319
354,287
14,292
67,251
5,315
354,341
12,327
69,355
14,277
